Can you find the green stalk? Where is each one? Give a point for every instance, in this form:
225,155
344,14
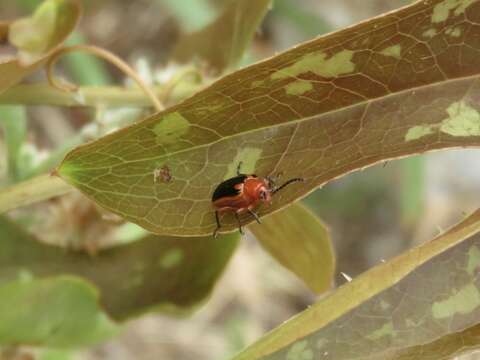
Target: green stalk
91,96
412,189
28,192
14,123
85,69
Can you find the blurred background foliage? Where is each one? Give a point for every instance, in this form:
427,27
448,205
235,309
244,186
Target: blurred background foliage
373,214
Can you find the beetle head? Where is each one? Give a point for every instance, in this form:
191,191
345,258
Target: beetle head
265,194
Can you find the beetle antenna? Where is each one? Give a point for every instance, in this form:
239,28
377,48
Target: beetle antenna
287,183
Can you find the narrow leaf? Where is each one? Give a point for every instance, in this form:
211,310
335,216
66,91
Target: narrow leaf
222,43
301,243
36,38
396,85
14,123
430,292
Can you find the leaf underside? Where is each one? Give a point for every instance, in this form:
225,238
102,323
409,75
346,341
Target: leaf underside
400,84
154,272
298,240
423,304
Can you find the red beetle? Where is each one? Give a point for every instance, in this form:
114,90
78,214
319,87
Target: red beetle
242,194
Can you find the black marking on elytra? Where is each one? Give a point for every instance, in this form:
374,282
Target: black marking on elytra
227,188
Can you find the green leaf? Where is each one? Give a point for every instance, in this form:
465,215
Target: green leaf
56,354
222,43
302,18
59,311
396,85
416,304
36,38
85,69
411,190
14,123
301,243
445,348
154,273
192,15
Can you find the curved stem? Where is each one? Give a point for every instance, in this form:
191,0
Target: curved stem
107,55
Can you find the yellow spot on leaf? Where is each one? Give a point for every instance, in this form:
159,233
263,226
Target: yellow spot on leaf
385,330
430,33
171,128
463,120
25,276
211,106
393,51
463,6
338,64
300,351
454,32
417,132
384,305
441,11
248,157
462,302
298,87
473,260
171,258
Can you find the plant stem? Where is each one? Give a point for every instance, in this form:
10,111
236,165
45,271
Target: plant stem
91,96
85,69
106,55
31,191
13,121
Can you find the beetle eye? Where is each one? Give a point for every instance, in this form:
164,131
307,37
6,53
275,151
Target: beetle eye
263,195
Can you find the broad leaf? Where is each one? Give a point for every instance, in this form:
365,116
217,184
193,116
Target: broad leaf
399,84
59,312
35,38
222,43
152,273
414,306
301,243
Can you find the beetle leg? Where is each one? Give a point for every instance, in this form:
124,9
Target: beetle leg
239,167
239,223
215,233
255,216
